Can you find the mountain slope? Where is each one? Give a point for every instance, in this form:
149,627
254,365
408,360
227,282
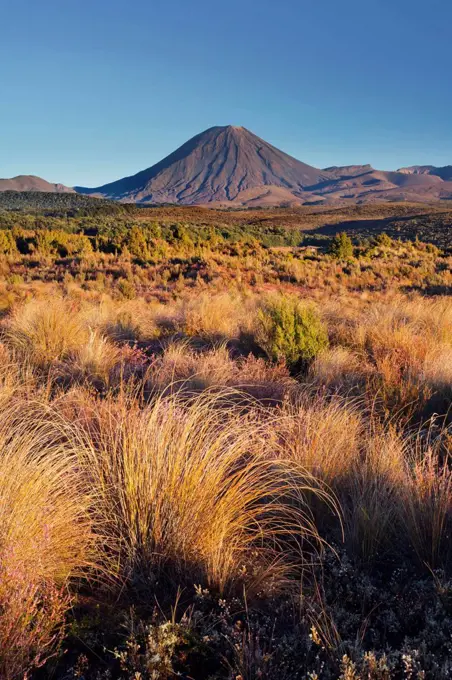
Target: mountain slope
347,171
219,165
32,183
445,172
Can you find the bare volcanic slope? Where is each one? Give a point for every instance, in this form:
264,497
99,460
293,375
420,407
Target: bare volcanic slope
220,165
32,183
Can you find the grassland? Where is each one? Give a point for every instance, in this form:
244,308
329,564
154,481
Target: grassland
225,444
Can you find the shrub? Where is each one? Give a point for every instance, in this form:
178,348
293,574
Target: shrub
45,243
151,649
126,288
342,247
31,620
7,243
383,240
74,244
291,330
137,245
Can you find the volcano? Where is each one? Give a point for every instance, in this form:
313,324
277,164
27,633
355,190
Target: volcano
231,167
220,165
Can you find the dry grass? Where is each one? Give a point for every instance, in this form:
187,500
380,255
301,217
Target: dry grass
162,453
182,368
43,331
322,435
427,505
46,536
215,317
339,367
188,487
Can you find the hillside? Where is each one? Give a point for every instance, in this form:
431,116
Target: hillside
32,183
57,203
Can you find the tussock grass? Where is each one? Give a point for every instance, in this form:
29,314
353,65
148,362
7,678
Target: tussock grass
43,331
427,505
339,367
322,435
215,317
46,536
189,487
182,368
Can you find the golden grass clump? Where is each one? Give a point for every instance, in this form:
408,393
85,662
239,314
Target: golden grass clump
45,330
46,535
215,317
339,367
189,487
427,503
371,498
322,435
129,320
181,367
361,461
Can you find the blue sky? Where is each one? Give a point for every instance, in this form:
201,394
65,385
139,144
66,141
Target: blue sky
94,90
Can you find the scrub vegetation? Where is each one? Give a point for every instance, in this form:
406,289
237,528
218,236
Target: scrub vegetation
225,449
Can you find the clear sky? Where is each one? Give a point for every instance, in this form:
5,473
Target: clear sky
93,90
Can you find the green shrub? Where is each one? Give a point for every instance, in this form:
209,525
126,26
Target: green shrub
45,243
7,243
383,240
137,245
74,244
126,289
291,330
342,247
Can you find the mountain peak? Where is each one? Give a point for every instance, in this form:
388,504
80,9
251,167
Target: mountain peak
219,165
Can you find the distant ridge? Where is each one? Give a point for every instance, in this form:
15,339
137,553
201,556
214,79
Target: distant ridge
229,166
445,172
32,183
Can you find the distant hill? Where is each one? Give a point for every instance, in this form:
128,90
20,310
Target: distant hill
60,203
32,183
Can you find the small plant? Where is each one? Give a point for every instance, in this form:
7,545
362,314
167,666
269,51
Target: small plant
31,620
342,247
126,288
291,330
7,243
151,650
383,240
137,244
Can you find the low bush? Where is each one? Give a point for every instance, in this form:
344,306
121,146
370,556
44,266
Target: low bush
290,329
342,247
